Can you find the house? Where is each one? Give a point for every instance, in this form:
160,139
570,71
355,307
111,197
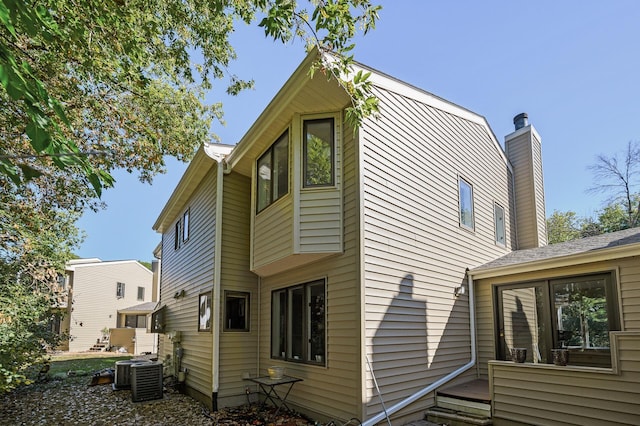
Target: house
341,254
581,295
107,298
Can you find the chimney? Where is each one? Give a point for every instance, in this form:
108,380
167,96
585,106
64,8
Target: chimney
523,148
521,120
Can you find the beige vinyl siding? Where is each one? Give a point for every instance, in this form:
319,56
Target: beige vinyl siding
94,301
416,253
273,232
238,350
556,396
524,151
332,391
320,221
190,268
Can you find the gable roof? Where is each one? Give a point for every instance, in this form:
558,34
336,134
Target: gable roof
143,308
613,245
303,94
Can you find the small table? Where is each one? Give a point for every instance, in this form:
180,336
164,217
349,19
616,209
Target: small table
268,387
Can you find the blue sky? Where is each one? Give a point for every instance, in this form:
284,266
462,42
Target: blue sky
573,66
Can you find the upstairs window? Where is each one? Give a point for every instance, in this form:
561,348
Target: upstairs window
498,213
273,173
140,293
119,290
466,203
318,151
298,323
182,230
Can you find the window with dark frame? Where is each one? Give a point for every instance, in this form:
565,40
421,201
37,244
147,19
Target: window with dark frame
298,329
273,173
465,191
574,313
318,152
140,293
236,311
119,290
182,229
135,321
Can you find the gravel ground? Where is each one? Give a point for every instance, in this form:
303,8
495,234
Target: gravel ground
72,402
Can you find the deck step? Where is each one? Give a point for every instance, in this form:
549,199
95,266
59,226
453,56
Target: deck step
444,416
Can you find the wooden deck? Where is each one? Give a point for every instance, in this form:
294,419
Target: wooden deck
475,390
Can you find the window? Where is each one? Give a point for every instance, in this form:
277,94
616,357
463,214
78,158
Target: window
120,290
185,226
498,214
298,323
466,203
318,152
576,313
140,293
273,173
236,314
135,321
204,312
182,230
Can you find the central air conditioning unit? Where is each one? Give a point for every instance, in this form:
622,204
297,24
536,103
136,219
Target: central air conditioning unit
122,379
146,381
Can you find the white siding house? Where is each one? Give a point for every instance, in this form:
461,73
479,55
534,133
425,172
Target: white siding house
97,291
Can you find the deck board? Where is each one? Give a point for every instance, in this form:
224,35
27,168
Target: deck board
475,390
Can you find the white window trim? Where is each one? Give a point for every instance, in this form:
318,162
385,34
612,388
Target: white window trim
473,213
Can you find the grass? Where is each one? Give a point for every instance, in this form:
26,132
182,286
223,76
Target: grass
82,364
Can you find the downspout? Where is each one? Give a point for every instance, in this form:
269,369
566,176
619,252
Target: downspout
433,386
217,261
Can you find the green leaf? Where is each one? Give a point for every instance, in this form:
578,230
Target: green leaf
29,172
39,137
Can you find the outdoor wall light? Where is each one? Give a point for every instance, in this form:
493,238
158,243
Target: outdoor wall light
460,291
178,294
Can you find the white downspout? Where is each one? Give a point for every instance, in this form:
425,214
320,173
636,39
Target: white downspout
400,405
215,311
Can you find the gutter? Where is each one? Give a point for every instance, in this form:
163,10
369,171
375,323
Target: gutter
433,386
217,261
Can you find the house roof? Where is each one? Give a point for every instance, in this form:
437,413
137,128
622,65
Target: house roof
75,264
143,308
608,246
304,94
205,158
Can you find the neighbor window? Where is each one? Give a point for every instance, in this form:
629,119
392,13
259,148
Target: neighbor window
498,213
298,323
140,293
318,152
273,173
575,313
466,203
120,290
236,311
135,321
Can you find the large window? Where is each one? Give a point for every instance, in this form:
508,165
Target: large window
298,323
575,313
273,173
135,321
318,149
466,203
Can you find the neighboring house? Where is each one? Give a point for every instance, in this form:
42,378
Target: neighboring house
583,295
341,254
103,296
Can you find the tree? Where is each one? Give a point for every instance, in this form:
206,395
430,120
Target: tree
36,238
95,85
562,226
619,177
